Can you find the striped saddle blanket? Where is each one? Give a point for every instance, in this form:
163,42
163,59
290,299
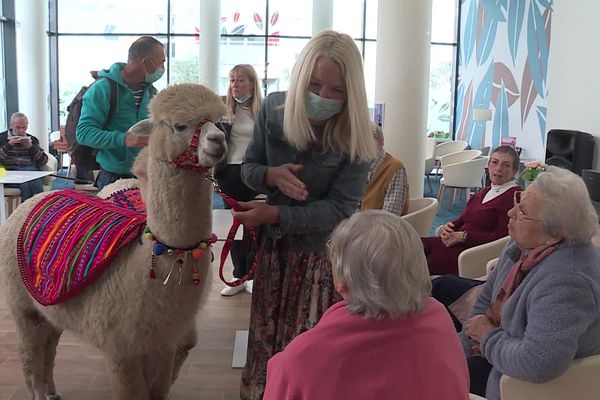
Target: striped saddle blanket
70,238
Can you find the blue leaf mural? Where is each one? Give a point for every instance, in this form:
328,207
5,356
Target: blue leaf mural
500,118
541,113
547,4
487,36
482,99
468,39
537,47
516,16
460,101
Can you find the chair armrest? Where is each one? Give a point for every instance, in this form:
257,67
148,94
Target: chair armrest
579,382
472,262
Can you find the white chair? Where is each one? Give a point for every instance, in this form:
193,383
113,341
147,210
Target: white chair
579,382
458,156
429,159
463,175
472,262
421,212
449,147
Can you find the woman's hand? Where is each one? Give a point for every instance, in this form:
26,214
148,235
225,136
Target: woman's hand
446,230
284,178
453,239
256,213
478,327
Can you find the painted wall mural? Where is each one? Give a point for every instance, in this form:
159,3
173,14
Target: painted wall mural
503,66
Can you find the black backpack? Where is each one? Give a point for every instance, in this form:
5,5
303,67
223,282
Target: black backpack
82,156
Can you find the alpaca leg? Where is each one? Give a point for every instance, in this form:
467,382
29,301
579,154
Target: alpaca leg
187,343
158,371
35,333
127,379
51,343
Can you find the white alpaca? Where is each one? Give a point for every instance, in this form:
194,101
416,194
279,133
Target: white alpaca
143,327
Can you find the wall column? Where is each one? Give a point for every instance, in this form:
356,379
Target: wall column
210,25
402,82
32,67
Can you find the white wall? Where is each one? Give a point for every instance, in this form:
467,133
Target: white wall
574,69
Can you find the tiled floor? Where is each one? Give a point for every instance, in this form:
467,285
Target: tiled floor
80,371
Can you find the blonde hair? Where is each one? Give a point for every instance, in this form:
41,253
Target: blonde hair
349,131
249,72
380,258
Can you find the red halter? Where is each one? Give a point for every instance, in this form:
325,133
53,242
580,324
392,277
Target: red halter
188,160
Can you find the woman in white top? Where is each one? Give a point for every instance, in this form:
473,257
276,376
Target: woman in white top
243,102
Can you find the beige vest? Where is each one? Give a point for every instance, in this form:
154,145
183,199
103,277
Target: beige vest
378,185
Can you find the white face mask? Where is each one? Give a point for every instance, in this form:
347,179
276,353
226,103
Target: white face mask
244,98
319,108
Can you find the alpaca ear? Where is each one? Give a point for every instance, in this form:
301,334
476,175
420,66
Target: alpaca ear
140,165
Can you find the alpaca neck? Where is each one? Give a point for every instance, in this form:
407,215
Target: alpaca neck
179,205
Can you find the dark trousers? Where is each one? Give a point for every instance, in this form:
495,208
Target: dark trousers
479,371
242,251
448,288
105,177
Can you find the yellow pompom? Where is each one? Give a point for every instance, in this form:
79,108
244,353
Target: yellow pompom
149,236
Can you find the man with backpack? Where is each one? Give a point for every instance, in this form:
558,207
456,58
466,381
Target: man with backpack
107,129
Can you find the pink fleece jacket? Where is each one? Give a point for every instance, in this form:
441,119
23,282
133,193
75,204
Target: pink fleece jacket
350,357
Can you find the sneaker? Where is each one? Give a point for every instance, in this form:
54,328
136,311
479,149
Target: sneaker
249,285
232,290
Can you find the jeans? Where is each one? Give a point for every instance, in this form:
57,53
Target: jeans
105,178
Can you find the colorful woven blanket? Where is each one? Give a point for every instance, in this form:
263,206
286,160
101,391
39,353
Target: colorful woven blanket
67,241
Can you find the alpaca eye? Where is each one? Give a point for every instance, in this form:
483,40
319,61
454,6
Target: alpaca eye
180,128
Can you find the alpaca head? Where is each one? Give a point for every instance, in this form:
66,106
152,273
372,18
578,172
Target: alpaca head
178,115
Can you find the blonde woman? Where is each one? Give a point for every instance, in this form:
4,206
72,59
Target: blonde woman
310,154
243,102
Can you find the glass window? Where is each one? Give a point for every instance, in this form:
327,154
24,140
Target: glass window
348,17
112,16
185,15
290,18
282,56
443,21
441,97
78,55
243,17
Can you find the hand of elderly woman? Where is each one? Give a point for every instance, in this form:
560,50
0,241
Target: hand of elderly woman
478,326
284,178
453,238
446,230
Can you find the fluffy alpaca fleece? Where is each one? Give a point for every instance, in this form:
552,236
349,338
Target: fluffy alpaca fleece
144,328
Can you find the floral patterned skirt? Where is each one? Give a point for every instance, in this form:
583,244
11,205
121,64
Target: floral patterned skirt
291,292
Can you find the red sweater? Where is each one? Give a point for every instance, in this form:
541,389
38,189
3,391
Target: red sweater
350,357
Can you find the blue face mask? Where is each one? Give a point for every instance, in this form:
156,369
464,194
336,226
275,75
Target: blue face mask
319,108
243,99
156,75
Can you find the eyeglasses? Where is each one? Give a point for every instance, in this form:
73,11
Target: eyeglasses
520,213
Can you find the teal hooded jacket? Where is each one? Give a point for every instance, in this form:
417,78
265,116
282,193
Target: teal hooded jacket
109,138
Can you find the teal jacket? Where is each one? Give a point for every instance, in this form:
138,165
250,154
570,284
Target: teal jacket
113,155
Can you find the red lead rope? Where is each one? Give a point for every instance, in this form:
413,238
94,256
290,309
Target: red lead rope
231,237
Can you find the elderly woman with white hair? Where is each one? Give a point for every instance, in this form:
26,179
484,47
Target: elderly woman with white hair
388,338
540,307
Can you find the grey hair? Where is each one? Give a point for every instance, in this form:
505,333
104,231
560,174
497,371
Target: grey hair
18,115
567,210
142,47
380,258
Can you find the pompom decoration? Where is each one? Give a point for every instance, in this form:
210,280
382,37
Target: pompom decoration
3,172
197,252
